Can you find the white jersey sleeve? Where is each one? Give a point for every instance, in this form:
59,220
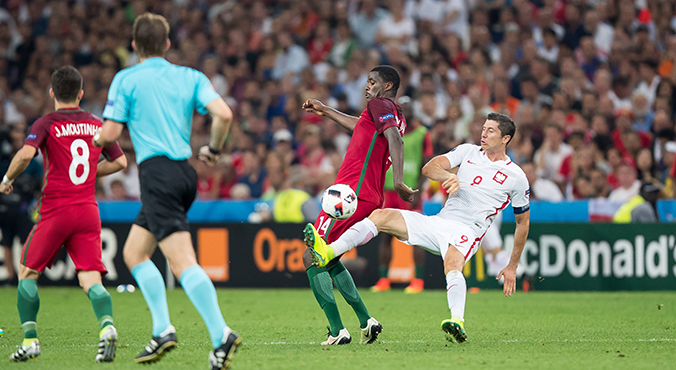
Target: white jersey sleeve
457,154
520,195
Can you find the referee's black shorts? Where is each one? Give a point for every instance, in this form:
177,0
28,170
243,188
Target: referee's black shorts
168,189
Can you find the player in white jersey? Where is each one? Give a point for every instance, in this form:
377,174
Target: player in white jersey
486,182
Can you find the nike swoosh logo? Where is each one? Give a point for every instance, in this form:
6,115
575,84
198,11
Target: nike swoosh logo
470,162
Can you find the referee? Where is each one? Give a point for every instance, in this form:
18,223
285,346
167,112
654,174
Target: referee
156,100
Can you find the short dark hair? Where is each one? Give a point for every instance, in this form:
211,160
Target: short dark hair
505,124
389,74
66,84
150,32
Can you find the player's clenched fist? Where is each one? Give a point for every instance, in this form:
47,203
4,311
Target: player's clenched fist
452,184
314,106
205,155
6,188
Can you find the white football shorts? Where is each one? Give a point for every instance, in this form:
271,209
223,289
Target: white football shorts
435,234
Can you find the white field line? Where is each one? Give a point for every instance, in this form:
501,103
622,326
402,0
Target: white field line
284,343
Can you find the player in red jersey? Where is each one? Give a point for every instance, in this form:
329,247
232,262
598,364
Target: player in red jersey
68,214
377,136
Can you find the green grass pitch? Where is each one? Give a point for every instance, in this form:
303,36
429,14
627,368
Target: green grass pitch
282,328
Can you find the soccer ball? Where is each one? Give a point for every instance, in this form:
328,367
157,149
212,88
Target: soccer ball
339,201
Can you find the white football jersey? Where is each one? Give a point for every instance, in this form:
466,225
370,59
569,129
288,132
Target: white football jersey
486,188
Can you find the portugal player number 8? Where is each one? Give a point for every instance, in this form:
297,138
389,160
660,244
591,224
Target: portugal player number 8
79,160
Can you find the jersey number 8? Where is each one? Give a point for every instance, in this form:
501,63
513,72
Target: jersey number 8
79,160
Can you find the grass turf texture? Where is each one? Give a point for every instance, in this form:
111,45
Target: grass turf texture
282,329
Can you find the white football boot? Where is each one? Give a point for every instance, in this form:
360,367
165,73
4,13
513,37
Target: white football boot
342,338
26,352
369,334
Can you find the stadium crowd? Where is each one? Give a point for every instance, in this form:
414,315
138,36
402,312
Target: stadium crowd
590,83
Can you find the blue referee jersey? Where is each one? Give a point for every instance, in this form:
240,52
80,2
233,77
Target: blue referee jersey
156,100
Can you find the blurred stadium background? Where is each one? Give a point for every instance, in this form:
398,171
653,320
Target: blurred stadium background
590,84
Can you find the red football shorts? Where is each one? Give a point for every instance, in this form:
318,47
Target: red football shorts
392,200
77,227
331,229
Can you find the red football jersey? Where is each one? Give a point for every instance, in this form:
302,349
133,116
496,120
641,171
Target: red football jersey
70,159
368,155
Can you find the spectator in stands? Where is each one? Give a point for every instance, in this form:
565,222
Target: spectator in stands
620,93
396,28
503,99
117,191
583,187
588,57
587,66
648,80
366,22
641,208
602,32
629,184
343,46
551,154
643,115
277,171
624,135
254,175
291,59
540,188
549,48
599,181
293,203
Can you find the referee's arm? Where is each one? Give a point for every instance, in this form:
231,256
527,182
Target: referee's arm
110,131
220,126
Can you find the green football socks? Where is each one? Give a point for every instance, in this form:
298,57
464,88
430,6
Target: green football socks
28,303
419,271
384,270
320,282
102,304
345,285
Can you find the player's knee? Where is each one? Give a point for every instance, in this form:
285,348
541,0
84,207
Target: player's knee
379,216
307,258
132,257
454,260
26,273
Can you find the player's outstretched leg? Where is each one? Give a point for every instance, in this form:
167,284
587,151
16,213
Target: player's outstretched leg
28,303
152,286
370,327
321,253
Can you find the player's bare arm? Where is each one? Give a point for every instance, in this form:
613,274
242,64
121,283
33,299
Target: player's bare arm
317,107
105,167
110,131
19,164
439,169
520,236
396,146
220,126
